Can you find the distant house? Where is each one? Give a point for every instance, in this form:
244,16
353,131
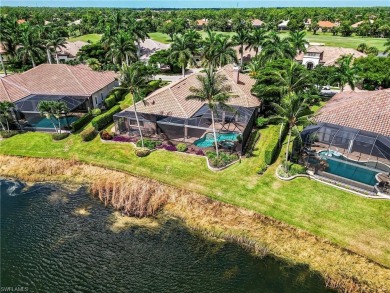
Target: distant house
76,22
327,25
256,23
20,21
78,86
3,52
149,47
307,23
167,113
357,24
283,25
200,23
324,55
70,51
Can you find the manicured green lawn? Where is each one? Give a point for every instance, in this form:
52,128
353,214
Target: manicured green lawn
359,224
346,42
93,38
160,37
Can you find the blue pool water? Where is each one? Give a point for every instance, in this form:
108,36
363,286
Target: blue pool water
42,122
208,139
350,171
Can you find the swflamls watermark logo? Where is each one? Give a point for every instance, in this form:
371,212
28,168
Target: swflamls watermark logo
14,289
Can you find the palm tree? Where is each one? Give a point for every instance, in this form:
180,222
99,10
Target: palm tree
181,52
254,68
274,47
94,64
122,48
256,39
387,46
292,113
53,110
212,91
208,46
224,52
131,79
5,108
298,41
139,32
30,47
241,38
345,73
54,42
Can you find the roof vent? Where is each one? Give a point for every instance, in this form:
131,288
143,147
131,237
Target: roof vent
236,73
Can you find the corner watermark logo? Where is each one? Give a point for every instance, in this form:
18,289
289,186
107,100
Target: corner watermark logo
14,289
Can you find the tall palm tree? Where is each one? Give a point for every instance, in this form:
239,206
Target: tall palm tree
292,113
5,108
298,41
53,41
212,91
108,36
181,52
131,79
254,68
224,52
256,40
30,47
10,34
208,46
241,38
139,32
53,110
122,48
346,72
274,47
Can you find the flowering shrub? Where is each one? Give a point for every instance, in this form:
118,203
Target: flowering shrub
222,160
167,147
148,143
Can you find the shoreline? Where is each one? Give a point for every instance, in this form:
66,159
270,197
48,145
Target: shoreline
341,269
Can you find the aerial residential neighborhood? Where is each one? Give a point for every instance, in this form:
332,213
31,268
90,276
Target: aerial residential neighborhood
163,149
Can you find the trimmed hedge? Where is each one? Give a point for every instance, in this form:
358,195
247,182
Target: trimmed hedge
141,152
148,143
88,134
104,119
83,120
59,136
271,153
110,101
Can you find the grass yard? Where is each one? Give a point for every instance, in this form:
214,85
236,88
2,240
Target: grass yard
160,37
359,224
92,38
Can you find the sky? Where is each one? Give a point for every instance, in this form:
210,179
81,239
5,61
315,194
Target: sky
194,3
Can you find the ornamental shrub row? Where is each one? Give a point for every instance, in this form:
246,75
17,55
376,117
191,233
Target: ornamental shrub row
104,119
8,134
272,151
60,136
88,134
83,120
110,101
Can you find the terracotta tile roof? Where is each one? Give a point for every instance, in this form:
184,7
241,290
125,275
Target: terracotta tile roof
171,100
257,22
2,49
326,23
368,111
20,21
201,22
330,54
71,48
59,79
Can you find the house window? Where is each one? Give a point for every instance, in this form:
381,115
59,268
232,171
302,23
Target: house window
96,101
101,94
309,65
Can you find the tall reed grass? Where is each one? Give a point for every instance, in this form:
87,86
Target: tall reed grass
342,270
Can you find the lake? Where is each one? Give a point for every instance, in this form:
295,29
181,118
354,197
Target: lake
49,245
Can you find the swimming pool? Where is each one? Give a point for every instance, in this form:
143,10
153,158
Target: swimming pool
348,169
208,139
43,122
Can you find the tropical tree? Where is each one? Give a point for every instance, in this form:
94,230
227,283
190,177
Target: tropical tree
254,68
362,47
5,114
387,46
274,47
298,41
224,52
241,38
53,41
139,32
54,111
94,64
291,113
214,92
122,48
345,73
181,52
131,78
256,40
372,51
29,45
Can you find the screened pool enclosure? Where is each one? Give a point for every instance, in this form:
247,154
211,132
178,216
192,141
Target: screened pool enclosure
235,119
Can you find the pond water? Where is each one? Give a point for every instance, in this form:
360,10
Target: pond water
46,246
